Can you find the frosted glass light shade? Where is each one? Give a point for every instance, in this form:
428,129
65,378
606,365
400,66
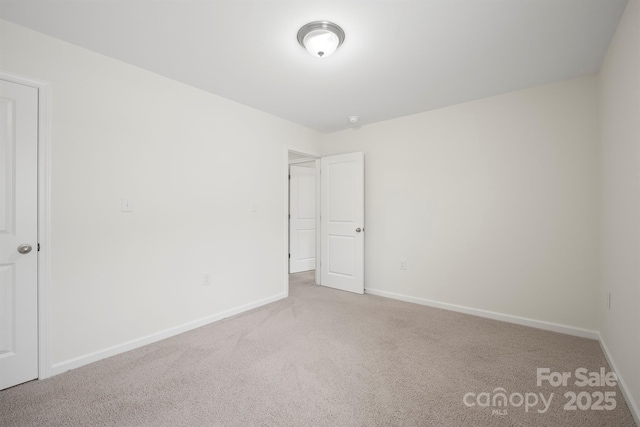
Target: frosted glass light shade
321,38
321,42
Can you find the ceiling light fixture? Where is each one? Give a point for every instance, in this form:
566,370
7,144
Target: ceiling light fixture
320,38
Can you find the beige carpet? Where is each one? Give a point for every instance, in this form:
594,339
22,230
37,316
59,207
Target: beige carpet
325,358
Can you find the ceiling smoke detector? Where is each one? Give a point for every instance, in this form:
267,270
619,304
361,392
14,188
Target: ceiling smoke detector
353,119
320,38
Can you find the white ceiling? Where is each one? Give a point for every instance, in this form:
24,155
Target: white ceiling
399,57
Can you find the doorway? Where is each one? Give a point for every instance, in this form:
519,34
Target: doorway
303,213
302,216
339,223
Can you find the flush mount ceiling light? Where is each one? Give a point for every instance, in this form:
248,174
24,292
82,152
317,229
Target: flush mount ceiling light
320,38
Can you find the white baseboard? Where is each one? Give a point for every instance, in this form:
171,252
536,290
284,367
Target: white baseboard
539,324
77,362
633,406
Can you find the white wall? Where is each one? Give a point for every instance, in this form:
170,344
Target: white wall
493,203
620,133
192,162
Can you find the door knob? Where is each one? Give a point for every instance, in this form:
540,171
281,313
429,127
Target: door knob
358,230
24,249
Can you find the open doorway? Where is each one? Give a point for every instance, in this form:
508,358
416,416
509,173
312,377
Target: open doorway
339,255
303,216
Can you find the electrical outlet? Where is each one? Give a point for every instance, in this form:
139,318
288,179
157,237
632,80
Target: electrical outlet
206,279
403,265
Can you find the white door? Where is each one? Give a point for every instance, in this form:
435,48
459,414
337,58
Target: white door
302,224
342,222
18,231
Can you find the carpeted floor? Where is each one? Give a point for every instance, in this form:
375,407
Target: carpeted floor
329,358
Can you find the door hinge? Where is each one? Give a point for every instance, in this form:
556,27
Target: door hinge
289,176
289,256
289,216
38,247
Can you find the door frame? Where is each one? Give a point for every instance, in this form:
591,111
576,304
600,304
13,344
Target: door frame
313,156
44,215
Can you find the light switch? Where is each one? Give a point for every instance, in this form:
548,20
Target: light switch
127,205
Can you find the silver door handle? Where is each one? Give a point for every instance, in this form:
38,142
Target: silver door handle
358,230
24,249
